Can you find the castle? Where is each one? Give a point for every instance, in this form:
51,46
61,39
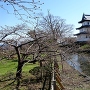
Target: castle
84,29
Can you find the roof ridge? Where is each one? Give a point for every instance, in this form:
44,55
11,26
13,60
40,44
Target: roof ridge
87,14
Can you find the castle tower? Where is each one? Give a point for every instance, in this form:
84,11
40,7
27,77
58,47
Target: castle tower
84,30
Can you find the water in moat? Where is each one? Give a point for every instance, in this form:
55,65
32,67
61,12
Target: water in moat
80,62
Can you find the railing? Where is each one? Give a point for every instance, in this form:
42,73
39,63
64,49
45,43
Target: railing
56,80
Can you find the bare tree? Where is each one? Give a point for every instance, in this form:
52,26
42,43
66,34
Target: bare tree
41,43
14,38
56,25
57,30
23,46
21,9
50,29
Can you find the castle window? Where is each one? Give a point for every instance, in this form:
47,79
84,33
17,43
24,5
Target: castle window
88,23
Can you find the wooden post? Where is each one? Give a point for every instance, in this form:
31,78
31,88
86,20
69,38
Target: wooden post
53,85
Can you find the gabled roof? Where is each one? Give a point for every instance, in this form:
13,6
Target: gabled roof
85,18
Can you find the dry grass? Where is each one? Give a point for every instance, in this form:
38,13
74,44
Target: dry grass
72,80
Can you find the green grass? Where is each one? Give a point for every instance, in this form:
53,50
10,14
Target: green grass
86,46
8,66
7,71
29,66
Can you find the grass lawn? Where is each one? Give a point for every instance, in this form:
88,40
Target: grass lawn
8,66
7,71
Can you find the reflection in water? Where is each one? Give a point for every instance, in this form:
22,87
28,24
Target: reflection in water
74,62
80,62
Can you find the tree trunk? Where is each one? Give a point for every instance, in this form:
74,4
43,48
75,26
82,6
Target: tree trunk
19,68
19,74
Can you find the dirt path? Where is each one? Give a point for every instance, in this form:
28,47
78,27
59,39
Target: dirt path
73,80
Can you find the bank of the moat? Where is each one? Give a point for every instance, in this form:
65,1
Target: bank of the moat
73,80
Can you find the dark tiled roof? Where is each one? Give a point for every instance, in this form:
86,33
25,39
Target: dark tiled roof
85,18
83,27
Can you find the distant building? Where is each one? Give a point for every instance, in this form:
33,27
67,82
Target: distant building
84,30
